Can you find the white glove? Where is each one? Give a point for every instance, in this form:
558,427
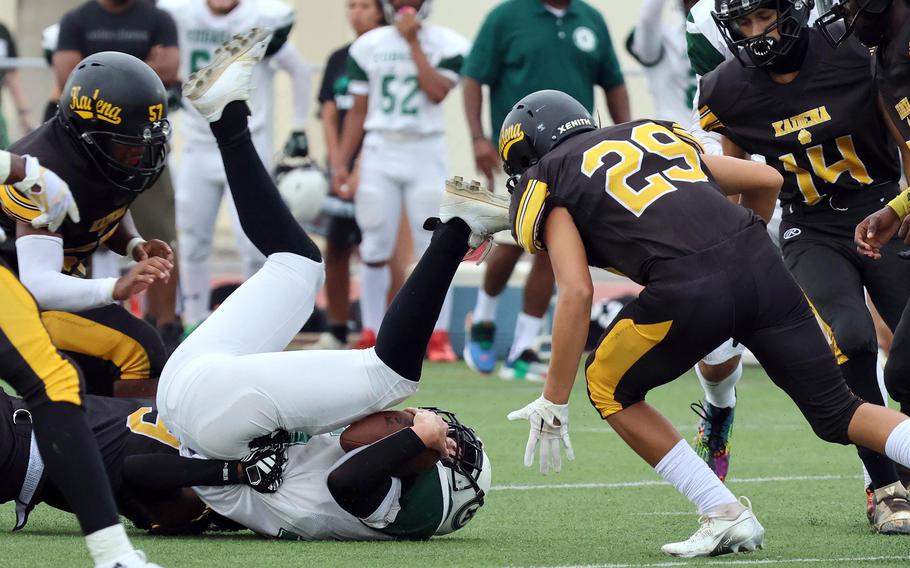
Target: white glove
2,235
549,427
50,193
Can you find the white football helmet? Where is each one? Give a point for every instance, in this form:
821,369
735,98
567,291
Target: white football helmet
470,475
304,190
388,9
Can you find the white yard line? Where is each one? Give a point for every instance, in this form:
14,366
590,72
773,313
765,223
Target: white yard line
655,482
747,562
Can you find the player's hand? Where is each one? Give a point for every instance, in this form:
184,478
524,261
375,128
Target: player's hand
407,23
263,470
154,248
486,158
341,182
877,229
433,431
49,193
141,276
549,429
297,145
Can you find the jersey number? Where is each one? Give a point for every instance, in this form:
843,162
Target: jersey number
409,85
199,58
849,163
146,422
648,137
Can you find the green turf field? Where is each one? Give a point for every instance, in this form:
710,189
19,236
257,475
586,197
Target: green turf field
606,508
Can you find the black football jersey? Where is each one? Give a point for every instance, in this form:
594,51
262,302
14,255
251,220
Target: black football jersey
823,131
101,205
892,76
638,193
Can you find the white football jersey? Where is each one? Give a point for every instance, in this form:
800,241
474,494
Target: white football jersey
384,70
201,32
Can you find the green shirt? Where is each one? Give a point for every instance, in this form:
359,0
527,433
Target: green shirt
522,47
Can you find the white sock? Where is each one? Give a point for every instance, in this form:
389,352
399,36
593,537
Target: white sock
867,479
721,394
527,328
485,308
691,476
897,447
108,545
445,314
374,286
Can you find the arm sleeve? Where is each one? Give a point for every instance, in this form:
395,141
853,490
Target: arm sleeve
70,36
646,41
168,471
40,259
483,61
610,72
529,201
289,59
166,30
360,483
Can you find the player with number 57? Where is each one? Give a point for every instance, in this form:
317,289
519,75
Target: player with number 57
640,198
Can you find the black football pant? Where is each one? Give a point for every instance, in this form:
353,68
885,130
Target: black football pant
737,289
817,245
51,386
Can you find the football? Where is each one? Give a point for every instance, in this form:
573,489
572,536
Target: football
379,425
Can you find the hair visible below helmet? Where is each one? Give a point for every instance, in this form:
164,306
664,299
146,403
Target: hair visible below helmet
537,124
762,50
470,474
839,20
115,107
388,9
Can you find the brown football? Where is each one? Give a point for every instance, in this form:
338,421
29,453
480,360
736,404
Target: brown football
379,425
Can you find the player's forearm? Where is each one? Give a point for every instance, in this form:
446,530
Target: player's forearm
125,232
14,84
64,63
289,59
570,331
160,472
12,167
330,126
647,42
473,104
165,62
351,135
618,104
758,184
433,83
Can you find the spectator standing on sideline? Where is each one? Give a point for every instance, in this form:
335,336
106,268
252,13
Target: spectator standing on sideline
525,46
140,29
10,78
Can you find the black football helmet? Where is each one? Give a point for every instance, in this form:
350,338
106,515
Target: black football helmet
762,50
864,17
115,106
537,124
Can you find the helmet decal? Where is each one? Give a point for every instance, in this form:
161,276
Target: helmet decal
94,106
509,136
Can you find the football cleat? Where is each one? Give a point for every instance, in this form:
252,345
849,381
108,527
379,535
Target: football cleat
903,473
526,367
870,504
892,509
718,536
326,342
484,212
227,77
439,349
135,559
479,350
712,442
367,339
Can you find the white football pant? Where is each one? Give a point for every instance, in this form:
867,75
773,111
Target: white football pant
231,382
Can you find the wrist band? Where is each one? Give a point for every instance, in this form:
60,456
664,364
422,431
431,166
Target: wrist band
134,242
901,204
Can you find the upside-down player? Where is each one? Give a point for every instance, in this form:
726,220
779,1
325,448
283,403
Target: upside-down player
639,198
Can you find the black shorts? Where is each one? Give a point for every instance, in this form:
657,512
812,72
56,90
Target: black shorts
343,232
737,289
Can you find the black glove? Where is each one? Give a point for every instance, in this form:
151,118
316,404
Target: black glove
297,146
263,469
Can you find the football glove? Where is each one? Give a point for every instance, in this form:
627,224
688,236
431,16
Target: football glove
549,428
263,469
297,145
49,193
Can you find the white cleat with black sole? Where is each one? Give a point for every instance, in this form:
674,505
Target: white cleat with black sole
721,536
483,211
227,77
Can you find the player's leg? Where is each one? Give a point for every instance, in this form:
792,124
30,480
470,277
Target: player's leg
342,238
718,374
50,385
479,348
522,362
110,345
648,344
198,191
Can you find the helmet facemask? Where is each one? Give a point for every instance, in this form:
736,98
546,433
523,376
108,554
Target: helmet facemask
761,50
132,163
866,20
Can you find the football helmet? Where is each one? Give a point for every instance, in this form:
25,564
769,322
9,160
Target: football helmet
762,50
115,107
840,18
469,476
536,124
303,187
388,9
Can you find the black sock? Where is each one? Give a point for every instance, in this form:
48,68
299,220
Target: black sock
408,323
73,462
264,217
860,374
339,331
